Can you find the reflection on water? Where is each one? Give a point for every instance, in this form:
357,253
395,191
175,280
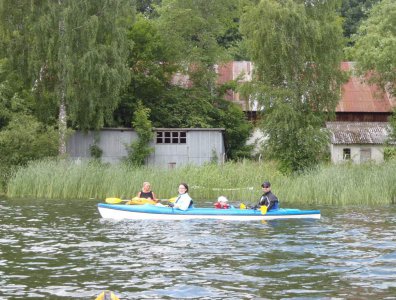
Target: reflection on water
63,250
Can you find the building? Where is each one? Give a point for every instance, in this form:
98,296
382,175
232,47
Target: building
363,102
359,101
358,141
172,146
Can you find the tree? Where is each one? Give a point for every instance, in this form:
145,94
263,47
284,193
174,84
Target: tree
139,150
375,45
73,51
193,29
154,61
152,66
25,139
296,47
354,12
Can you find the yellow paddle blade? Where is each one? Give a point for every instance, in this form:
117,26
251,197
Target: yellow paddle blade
141,201
107,295
263,209
242,206
172,200
113,200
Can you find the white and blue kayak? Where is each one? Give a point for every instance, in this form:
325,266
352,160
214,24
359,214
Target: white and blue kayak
152,212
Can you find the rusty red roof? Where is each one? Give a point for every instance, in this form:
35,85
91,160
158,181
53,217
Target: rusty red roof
359,96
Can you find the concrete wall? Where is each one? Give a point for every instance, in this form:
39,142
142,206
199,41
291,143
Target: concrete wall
359,153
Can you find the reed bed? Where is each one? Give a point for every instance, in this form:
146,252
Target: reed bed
367,184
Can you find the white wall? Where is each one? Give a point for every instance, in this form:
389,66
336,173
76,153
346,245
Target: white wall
377,153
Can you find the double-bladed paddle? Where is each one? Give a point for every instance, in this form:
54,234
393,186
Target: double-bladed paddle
114,200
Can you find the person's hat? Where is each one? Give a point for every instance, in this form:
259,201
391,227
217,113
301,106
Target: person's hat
266,184
222,199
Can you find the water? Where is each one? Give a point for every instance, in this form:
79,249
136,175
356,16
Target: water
63,250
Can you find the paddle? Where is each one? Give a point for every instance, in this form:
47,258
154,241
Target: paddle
263,208
113,200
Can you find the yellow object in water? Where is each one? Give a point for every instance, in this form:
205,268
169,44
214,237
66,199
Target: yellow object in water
107,295
242,206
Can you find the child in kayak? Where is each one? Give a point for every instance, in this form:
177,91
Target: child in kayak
222,203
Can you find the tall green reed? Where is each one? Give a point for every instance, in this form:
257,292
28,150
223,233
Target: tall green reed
239,181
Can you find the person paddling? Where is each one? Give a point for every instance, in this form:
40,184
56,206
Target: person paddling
146,192
268,199
183,200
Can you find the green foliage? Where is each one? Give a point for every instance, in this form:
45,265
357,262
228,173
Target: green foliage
392,122
354,12
150,79
172,106
198,27
139,150
237,129
389,153
297,49
375,45
95,151
147,7
25,139
73,51
297,140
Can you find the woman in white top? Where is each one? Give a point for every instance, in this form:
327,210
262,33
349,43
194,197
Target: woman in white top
183,201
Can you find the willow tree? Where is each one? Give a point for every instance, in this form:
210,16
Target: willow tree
74,51
296,47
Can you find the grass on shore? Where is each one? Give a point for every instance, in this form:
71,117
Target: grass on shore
239,181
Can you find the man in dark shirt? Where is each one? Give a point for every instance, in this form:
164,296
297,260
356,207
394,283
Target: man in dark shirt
268,199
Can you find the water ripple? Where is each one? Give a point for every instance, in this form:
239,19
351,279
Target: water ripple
64,251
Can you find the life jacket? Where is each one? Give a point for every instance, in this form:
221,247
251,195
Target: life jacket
218,205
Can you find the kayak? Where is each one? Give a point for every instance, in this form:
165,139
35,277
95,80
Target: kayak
152,212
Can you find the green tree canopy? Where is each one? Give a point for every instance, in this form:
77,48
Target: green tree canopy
154,61
375,45
71,51
296,47
354,12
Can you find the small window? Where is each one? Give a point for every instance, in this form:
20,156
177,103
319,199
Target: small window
171,137
159,137
346,153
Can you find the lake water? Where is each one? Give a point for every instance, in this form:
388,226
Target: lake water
64,250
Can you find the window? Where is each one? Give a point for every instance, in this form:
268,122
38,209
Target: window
346,153
171,137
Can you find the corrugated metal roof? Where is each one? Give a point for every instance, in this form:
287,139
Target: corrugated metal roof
358,96
358,132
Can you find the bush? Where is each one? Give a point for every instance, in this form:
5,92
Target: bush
25,139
